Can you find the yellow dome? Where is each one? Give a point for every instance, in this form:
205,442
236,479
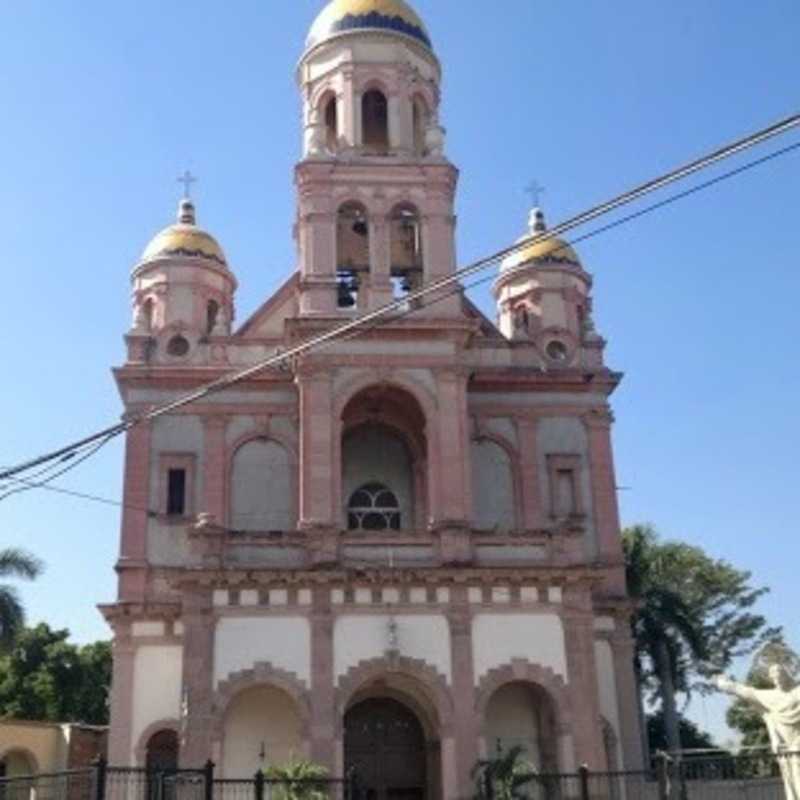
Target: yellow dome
343,16
184,239
554,250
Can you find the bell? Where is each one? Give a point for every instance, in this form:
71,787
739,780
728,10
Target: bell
360,227
345,297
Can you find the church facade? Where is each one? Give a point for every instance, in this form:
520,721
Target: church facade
401,551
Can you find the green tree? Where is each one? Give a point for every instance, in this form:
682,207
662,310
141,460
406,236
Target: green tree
45,677
693,616
691,735
746,718
14,563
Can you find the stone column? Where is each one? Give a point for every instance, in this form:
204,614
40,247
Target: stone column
465,720
214,455
136,499
323,705
582,685
348,123
316,468
631,741
120,746
438,249
379,290
198,677
451,510
532,509
604,497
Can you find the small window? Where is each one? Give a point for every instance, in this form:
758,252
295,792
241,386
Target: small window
212,313
564,476
176,492
331,125
373,507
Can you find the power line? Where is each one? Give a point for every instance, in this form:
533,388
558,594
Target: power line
403,304
29,483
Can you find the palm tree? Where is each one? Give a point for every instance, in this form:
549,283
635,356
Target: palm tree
14,563
667,635
504,777
298,780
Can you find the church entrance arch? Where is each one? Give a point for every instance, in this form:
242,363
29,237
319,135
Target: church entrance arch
384,743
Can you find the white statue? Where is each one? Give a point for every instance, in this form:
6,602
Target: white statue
780,709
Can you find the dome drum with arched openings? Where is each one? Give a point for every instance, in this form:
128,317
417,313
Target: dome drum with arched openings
347,16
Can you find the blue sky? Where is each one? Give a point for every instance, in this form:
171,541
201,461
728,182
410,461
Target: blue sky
104,104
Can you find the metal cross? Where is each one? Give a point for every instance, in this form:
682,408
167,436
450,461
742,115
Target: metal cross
535,190
187,179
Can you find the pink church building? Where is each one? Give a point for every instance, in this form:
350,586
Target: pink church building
401,552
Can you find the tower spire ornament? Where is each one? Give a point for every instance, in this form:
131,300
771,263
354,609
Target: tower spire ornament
187,179
535,190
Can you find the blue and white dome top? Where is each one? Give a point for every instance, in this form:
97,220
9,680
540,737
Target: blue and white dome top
387,16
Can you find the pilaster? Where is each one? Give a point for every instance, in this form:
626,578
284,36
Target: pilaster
198,664
604,497
578,621
316,467
465,719
622,651
136,502
532,509
214,454
120,744
323,707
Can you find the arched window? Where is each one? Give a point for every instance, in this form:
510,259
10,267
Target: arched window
375,121
261,487
352,252
420,116
212,312
331,125
492,487
373,507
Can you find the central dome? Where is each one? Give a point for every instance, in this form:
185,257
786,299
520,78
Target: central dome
388,16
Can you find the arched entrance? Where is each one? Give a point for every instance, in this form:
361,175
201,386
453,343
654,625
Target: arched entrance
385,744
162,751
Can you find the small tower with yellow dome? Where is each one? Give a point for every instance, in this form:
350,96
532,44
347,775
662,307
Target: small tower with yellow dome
543,299
375,208
182,294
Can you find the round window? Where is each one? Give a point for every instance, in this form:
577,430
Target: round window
556,350
178,346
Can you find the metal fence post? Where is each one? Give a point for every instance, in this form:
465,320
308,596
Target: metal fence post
258,785
583,773
662,766
100,775
208,774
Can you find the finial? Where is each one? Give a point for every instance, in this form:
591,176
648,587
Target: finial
535,190
186,212
187,179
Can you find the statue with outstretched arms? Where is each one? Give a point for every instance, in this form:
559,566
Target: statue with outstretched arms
780,709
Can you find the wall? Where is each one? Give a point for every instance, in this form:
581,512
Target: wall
497,639
492,487
157,683
241,642
44,744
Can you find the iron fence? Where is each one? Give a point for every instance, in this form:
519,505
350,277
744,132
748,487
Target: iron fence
716,776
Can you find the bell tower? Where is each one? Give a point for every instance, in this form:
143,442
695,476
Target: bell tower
375,190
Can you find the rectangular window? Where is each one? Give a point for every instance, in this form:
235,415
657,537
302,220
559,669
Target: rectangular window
176,492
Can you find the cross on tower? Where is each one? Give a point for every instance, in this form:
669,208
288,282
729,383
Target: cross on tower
187,179
535,190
